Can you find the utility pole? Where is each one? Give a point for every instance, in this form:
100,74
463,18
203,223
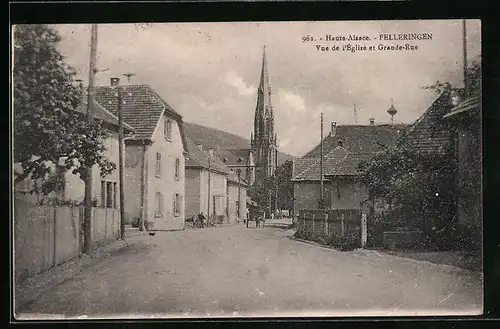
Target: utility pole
239,193
355,115
321,166
466,79
209,169
275,180
120,159
87,228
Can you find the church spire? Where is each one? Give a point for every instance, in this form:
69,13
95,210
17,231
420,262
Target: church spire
264,136
264,114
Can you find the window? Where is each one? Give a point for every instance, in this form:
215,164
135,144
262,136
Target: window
168,129
103,194
158,165
115,199
158,204
177,168
109,194
177,204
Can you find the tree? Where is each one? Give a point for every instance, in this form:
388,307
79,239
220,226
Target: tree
48,132
474,79
419,187
284,184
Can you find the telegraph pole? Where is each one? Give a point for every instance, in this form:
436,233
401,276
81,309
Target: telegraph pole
321,165
275,180
87,229
466,79
120,160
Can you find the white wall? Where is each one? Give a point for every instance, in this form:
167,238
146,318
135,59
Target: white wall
167,184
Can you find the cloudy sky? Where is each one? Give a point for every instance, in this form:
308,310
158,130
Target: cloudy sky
209,72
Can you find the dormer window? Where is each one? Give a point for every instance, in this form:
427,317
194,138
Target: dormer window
168,129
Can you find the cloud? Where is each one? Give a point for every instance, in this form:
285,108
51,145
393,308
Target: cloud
293,101
234,80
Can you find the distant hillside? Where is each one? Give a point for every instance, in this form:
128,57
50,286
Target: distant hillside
218,139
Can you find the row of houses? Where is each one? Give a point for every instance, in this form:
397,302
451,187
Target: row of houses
167,177
443,126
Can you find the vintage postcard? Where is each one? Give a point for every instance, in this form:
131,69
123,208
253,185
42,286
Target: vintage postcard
249,169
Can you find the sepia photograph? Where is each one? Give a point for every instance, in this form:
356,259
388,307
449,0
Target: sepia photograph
247,169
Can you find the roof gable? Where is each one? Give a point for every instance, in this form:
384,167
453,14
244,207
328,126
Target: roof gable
431,132
142,107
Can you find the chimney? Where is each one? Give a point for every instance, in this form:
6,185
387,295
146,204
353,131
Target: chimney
200,146
211,151
333,129
115,82
372,121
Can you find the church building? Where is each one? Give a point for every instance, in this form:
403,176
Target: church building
263,139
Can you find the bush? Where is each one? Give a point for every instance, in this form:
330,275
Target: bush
350,241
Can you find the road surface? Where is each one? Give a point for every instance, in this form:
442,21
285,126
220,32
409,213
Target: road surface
244,272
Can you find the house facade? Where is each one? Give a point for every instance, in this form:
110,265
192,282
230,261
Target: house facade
154,156
105,190
206,183
343,150
237,196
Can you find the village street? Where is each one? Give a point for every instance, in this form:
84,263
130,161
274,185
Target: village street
239,271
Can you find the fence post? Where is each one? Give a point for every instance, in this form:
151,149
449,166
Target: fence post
326,223
313,222
342,224
54,260
364,230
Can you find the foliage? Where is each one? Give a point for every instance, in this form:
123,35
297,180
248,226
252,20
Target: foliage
474,79
284,183
48,132
418,186
346,242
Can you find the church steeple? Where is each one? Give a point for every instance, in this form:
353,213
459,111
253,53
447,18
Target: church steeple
263,141
264,114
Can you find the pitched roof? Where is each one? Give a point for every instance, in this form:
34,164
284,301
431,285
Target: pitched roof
470,104
198,158
360,138
99,112
339,162
142,107
359,143
431,132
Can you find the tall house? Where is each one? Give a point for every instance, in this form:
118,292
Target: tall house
264,139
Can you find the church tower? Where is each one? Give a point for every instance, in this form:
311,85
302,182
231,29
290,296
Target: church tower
264,139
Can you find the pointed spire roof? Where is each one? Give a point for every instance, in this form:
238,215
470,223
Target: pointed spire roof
264,109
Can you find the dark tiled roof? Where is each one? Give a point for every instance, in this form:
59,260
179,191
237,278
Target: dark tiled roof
100,113
432,133
142,107
360,138
473,103
359,143
338,162
198,158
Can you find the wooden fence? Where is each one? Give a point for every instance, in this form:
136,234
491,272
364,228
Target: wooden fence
330,222
48,235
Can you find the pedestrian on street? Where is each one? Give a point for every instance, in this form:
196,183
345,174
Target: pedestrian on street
201,219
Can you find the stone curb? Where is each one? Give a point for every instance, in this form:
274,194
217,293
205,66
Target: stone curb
32,288
368,253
